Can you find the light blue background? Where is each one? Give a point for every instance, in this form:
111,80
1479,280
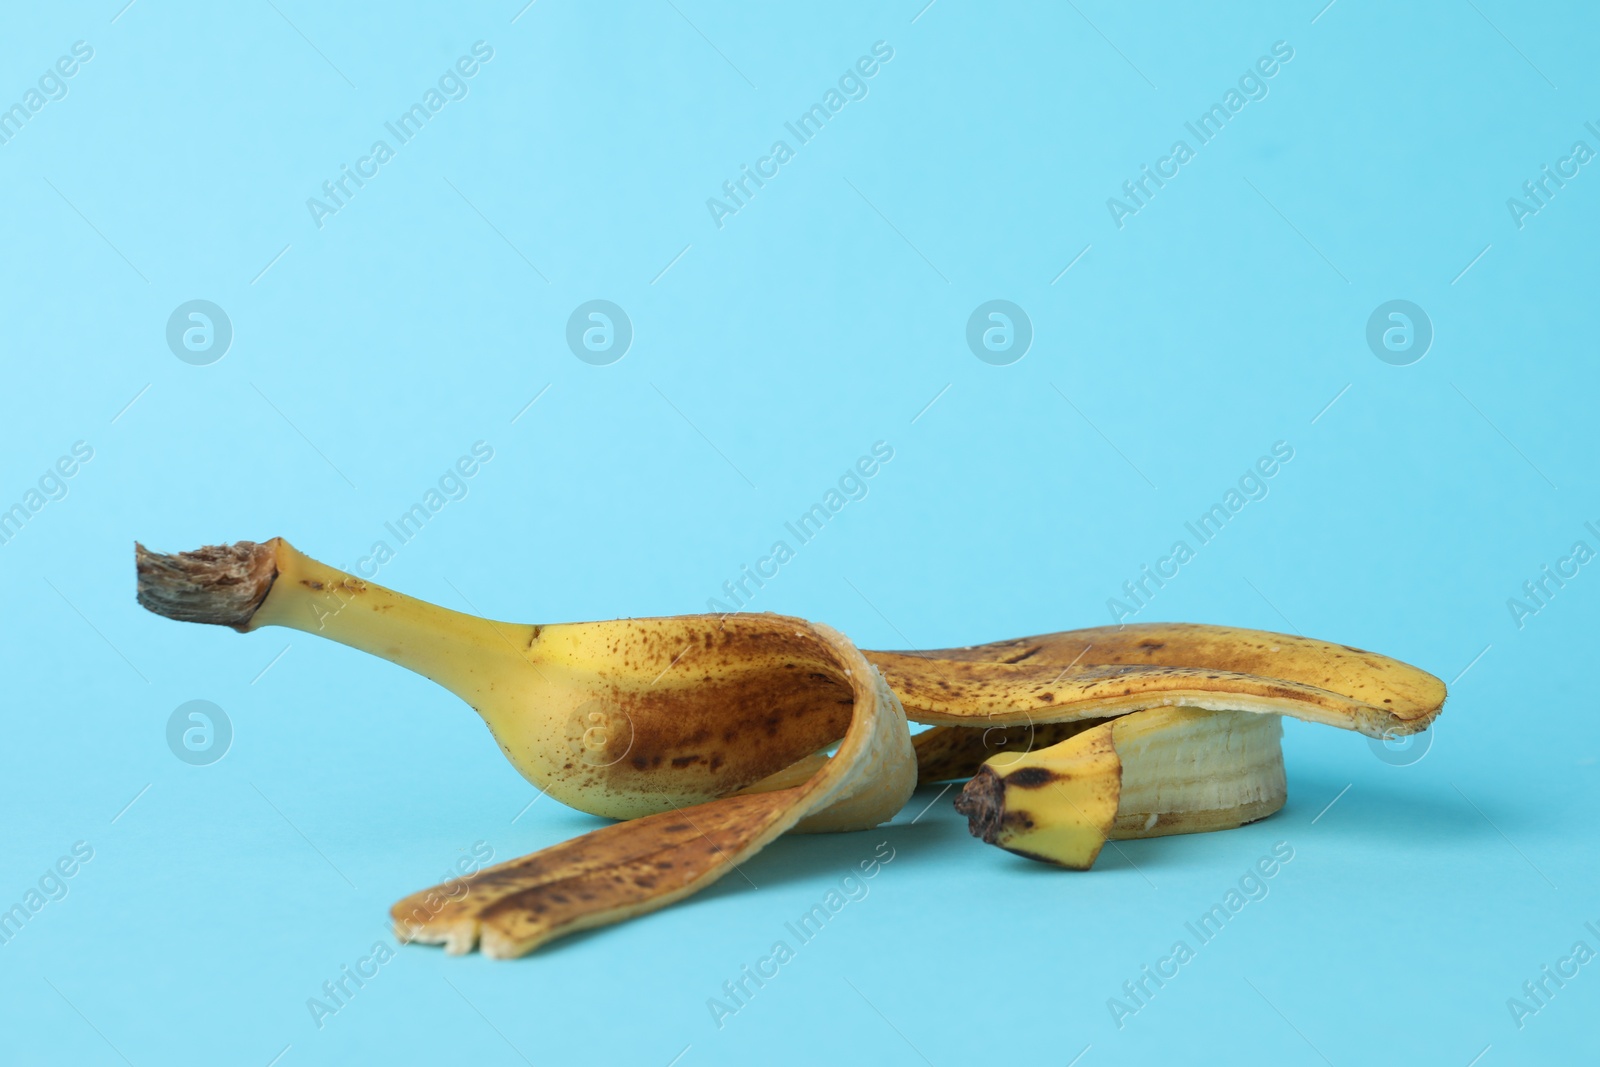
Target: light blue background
823,317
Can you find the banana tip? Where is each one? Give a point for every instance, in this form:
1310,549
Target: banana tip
983,803
219,584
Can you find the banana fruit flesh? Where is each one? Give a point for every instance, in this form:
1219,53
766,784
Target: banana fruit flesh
713,735
1147,774
1186,771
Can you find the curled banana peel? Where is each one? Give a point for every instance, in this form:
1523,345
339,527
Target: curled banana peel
711,735
646,863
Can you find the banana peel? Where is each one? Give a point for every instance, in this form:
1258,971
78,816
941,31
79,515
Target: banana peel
633,867
588,713
711,734
1109,671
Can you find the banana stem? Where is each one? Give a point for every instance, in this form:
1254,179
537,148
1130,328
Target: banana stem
248,586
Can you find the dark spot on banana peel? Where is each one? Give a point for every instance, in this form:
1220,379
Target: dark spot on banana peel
729,728
1017,820
1031,777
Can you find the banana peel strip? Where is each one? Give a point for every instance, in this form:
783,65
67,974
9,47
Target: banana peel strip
637,866
1110,671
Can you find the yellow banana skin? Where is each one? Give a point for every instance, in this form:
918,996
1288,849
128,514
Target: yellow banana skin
1146,774
1057,805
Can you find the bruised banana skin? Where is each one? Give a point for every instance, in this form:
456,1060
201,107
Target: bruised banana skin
1146,774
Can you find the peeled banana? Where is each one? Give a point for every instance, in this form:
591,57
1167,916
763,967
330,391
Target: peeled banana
712,734
1146,774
